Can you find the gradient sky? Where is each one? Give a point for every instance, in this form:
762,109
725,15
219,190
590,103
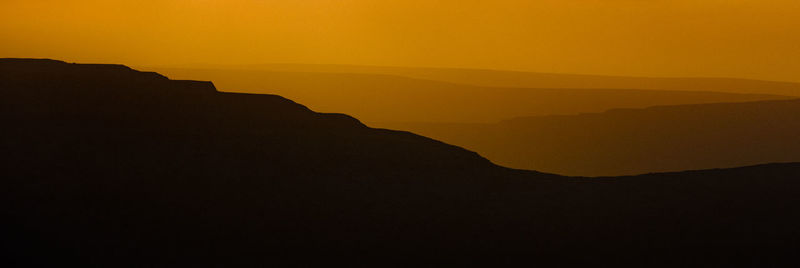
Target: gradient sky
730,38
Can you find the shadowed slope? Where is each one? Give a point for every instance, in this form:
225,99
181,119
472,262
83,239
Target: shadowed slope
378,97
122,168
76,97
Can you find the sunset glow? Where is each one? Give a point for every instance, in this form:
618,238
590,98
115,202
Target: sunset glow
734,38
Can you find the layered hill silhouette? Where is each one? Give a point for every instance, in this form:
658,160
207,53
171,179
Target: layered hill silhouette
414,95
517,79
107,166
634,141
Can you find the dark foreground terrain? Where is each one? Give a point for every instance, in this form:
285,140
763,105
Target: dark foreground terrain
106,166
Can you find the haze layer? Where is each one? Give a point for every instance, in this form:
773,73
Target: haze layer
735,38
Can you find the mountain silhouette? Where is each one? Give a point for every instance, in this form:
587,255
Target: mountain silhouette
373,96
634,141
107,166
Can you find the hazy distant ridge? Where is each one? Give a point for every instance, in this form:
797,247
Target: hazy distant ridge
634,141
377,95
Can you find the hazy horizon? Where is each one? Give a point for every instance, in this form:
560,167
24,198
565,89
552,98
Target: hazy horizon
259,66
733,39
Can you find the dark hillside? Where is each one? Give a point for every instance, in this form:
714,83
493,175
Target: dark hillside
106,166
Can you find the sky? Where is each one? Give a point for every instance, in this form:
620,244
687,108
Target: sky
719,38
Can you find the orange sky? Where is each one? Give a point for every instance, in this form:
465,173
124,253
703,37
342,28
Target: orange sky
732,38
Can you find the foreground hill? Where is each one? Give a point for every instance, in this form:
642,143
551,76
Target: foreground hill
379,97
106,166
634,141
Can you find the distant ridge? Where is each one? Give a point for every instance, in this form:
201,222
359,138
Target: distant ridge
634,141
379,97
520,79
